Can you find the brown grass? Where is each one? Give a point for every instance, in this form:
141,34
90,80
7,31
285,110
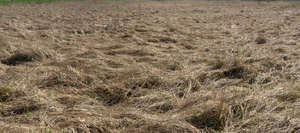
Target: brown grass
150,67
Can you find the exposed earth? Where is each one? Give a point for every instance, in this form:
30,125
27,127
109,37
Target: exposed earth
150,67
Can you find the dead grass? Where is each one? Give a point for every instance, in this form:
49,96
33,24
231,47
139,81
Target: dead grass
148,82
149,66
211,119
20,107
8,93
67,77
110,95
230,68
290,94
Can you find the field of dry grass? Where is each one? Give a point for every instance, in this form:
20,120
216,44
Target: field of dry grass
150,67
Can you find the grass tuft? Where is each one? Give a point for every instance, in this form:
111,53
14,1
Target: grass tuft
210,119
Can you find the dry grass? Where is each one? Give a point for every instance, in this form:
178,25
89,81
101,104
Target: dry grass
149,67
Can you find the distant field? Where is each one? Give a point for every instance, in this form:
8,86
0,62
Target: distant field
28,1
45,1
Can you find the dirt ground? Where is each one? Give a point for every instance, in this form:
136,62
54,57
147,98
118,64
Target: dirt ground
150,67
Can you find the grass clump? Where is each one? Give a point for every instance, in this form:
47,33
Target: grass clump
232,69
66,77
236,71
110,95
162,107
22,106
7,94
292,94
163,128
210,119
149,82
